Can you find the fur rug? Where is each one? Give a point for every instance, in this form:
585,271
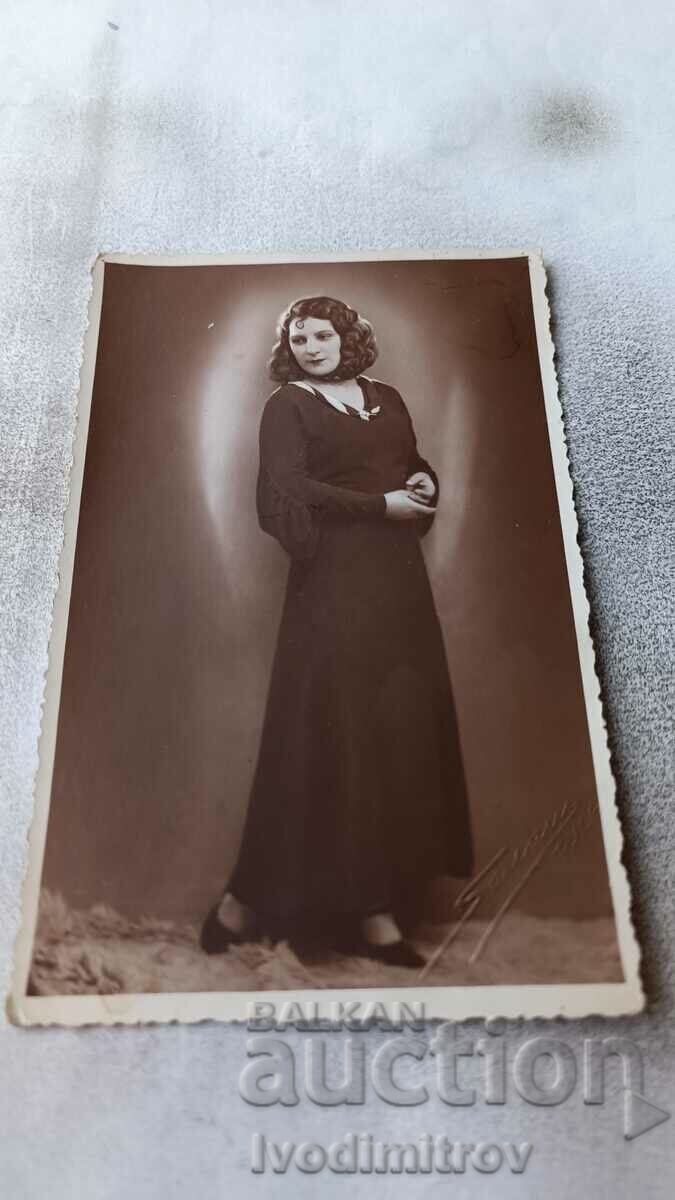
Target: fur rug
101,952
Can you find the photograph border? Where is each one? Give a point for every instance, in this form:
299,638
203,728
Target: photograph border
445,1002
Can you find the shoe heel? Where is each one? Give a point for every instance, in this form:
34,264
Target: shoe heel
216,938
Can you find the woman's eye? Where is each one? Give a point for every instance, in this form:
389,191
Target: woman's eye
298,341
323,337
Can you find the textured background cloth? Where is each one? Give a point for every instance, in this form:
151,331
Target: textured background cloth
303,126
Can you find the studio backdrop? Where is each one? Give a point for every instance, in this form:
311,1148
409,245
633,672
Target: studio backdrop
177,592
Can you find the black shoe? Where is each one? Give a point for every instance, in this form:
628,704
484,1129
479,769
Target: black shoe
216,938
395,954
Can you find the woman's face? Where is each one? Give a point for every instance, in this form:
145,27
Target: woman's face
315,345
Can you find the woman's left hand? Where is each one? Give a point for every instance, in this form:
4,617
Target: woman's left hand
421,486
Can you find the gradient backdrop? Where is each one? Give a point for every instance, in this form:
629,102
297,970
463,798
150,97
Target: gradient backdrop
177,594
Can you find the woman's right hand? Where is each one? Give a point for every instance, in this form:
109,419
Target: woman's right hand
401,506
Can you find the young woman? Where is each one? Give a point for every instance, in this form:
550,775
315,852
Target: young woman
358,798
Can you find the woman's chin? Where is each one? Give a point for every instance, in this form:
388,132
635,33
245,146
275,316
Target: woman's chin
324,368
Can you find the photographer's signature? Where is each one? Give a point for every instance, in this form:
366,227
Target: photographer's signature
512,869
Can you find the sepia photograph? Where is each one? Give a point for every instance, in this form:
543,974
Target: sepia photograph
336,593
321,711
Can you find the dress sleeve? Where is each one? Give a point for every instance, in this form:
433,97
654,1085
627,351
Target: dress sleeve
417,463
290,502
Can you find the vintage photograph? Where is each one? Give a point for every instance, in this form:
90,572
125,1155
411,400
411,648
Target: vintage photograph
321,713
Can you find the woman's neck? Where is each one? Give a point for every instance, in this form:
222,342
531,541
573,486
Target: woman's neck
347,390
335,385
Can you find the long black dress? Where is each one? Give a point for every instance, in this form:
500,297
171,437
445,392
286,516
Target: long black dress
359,789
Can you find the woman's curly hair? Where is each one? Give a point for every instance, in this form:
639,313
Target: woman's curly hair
358,349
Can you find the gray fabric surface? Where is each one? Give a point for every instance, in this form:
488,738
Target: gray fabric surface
276,126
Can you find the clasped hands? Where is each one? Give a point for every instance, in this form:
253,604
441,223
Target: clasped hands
414,500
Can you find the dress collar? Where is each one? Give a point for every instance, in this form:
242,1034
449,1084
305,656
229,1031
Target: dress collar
364,414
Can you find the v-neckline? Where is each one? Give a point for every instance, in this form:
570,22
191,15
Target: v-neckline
364,414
